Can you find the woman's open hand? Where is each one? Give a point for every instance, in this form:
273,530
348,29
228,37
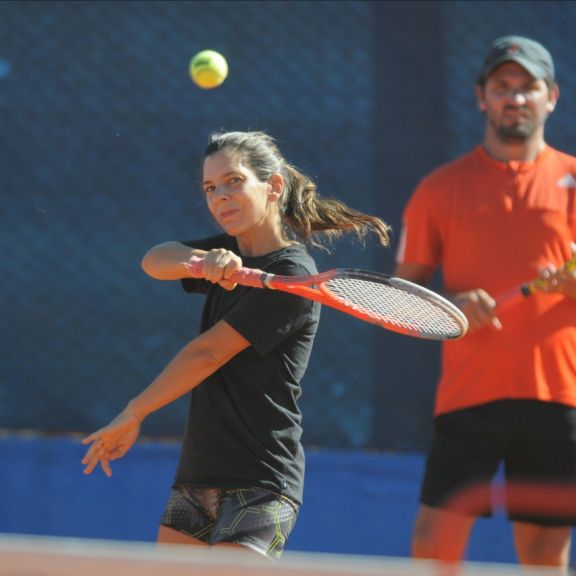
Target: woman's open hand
111,442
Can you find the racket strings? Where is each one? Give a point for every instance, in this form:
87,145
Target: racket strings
383,302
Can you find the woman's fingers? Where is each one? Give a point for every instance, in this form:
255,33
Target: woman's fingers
111,442
97,454
105,465
91,438
90,462
219,265
90,453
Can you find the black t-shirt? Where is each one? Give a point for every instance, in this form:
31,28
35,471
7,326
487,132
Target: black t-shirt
243,425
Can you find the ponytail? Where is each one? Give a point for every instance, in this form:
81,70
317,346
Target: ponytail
309,216
306,216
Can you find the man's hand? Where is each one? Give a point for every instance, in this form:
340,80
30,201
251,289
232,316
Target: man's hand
479,307
560,280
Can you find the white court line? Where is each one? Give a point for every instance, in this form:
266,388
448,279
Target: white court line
22,555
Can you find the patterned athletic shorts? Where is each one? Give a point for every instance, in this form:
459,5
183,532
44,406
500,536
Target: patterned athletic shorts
252,517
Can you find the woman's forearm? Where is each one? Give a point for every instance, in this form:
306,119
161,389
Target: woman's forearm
184,372
191,366
165,261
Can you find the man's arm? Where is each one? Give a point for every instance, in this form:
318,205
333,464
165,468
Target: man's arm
417,273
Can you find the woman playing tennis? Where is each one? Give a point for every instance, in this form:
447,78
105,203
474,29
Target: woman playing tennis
241,451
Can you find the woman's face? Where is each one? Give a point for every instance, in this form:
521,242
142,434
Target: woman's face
240,203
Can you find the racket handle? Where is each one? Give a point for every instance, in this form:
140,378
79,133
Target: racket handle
520,292
570,265
540,284
529,288
251,277
510,295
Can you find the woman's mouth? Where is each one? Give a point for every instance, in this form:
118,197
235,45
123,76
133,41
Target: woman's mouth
227,214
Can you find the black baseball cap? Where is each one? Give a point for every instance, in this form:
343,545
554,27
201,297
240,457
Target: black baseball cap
531,55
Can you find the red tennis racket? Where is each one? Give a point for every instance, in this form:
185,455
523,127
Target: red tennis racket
392,303
531,287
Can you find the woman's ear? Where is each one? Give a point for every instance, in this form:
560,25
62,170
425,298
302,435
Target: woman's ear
276,183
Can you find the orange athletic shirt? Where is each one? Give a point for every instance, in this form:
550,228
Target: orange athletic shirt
492,225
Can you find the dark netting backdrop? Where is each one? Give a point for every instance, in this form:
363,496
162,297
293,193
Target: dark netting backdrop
102,130
101,136
470,26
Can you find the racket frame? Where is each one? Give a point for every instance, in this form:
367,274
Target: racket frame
314,287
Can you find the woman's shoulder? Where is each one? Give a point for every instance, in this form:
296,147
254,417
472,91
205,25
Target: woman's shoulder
293,260
212,242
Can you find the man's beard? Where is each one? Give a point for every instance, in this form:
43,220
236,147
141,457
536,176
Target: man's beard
516,132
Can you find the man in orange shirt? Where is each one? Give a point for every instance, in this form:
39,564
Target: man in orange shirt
494,218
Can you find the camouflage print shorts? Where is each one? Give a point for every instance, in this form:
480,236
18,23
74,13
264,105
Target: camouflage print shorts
253,517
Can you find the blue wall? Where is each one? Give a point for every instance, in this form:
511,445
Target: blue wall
355,503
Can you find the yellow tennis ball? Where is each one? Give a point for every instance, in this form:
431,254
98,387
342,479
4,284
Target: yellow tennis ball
208,69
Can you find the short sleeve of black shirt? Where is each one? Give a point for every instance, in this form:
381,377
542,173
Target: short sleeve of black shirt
283,313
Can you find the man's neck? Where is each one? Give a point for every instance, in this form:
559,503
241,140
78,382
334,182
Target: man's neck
519,150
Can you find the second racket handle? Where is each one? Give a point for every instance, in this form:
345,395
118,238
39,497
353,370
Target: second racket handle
541,283
245,276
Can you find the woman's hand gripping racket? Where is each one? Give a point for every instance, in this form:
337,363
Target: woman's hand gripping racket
392,303
540,284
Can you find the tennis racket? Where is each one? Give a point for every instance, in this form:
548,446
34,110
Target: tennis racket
392,303
531,287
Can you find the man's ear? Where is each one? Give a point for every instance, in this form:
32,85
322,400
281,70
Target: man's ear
480,98
553,98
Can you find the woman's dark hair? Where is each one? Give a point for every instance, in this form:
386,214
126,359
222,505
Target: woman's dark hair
305,214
